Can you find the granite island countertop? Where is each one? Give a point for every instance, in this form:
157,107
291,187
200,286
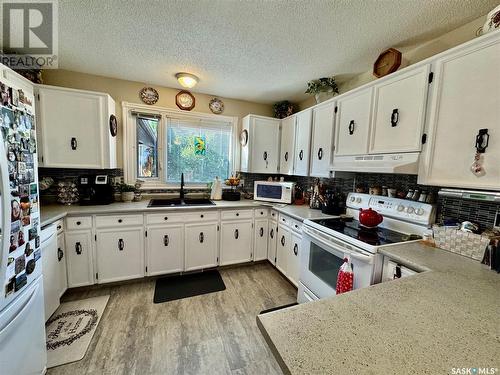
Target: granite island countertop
53,212
445,317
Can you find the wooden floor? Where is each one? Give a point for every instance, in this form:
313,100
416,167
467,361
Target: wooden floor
210,334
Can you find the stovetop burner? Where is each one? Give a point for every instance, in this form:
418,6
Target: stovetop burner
373,236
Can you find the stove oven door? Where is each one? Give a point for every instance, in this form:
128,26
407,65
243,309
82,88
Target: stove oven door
321,259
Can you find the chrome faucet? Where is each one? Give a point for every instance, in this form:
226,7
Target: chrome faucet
181,195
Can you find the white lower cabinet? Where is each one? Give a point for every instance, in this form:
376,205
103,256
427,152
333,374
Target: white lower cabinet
294,258
283,248
119,254
79,259
201,246
272,241
61,258
236,242
260,239
165,249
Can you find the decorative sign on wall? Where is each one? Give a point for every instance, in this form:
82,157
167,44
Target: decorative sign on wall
149,95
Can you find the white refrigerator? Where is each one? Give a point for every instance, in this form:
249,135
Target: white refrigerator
22,328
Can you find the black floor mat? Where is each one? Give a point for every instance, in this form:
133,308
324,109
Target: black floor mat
278,308
183,286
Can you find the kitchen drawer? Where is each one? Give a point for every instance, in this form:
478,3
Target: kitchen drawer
201,216
236,214
261,213
285,220
296,225
78,222
165,218
118,221
59,226
274,215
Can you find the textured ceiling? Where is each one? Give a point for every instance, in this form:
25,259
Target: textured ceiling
261,51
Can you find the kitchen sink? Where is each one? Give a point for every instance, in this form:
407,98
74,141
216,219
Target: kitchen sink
177,202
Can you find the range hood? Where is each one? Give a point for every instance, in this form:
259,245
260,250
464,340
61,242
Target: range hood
475,195
404,163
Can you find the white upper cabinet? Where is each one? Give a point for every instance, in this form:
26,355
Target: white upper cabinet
287,147
260,139
465,98
74,128
399,112
322,139
303,142
353,123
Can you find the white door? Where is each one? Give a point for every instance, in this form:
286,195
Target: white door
303,143
283,249
260,239
119,254
294,259
201,245
165,249
353,123
272,242
79,263
265,145
465,99
322,139
61,258
287,145
399,112
236,242
70,122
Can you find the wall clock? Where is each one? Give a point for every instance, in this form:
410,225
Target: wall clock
388,62
216,106
113,125
149,95
185,100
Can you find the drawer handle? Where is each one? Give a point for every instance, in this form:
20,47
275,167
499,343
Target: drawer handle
201,216
78,222
59,227
320,153
351,127
394,117
78,248
236,233
121,244
201,237
262,213
166,240
60,254
74,143
271,233
265,155
120,220
301,154
237,214
165,218
296,226
296,249
286,156
261,232
283,240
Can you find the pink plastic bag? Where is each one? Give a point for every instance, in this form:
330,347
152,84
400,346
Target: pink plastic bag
345,277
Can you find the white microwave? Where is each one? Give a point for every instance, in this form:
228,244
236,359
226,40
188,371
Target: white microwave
271,191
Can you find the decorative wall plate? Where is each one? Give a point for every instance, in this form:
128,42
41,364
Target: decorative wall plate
185,100
244,137
149,95
216,106
113,125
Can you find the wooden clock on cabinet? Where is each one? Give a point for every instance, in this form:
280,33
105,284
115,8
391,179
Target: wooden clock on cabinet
388,62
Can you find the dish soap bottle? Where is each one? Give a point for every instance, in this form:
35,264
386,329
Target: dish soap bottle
216,193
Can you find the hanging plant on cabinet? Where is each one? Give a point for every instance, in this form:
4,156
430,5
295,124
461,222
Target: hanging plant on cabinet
322,88
283,109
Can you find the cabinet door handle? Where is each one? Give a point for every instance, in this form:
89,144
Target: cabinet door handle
121,244
78,248
265,155
165,218
60,254
301,154
74,143
394,117
201,237
320,153
166,240
261,232
120,220
296,249
286,156
482,141
236,233
271,233
283,240
78,223
351,127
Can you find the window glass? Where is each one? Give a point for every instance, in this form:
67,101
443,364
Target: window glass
147,147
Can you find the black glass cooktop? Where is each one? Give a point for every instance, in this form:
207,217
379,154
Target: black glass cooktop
372,236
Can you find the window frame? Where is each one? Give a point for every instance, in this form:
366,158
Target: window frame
163,113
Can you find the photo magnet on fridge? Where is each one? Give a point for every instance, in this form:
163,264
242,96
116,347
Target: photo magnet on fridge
28,250
37,241
20,239
15,97
15,226
30,266
26,220
37,255
9,287
13,242
20,265
5,94
34,203
21,281
15,210
10,260
32,233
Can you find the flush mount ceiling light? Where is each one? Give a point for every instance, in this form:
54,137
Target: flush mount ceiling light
186,79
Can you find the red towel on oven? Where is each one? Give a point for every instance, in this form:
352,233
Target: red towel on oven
345,277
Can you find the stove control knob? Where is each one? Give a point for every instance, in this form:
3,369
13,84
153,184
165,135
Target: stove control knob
410,210
352,199
358,200
401,208
419,211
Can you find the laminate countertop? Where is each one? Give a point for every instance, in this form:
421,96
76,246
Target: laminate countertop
53,212
445,317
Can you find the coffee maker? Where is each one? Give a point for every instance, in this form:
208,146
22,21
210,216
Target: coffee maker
95,189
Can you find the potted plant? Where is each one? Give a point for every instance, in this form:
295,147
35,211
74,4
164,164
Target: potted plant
127,192
322,88
283,109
